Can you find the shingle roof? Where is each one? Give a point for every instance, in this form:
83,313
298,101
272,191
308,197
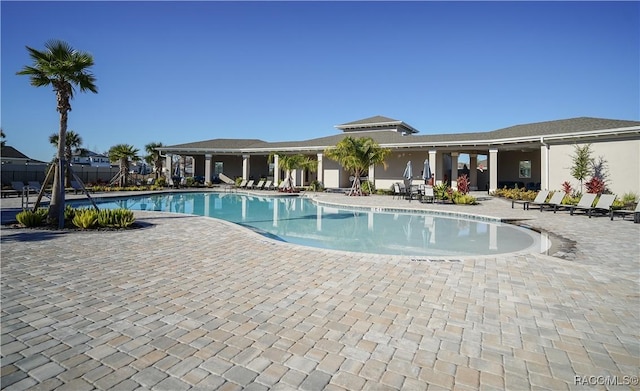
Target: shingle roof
384,137
11,152
378,119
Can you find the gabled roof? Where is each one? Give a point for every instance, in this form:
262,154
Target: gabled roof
376,122
7,152
11,152
218,144
565,129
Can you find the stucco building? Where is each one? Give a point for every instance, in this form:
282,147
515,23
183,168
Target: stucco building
536,155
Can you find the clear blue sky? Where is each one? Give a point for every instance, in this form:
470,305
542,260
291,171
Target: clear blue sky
178,72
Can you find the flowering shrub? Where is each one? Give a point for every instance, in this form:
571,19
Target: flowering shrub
463,184
567,188
595,185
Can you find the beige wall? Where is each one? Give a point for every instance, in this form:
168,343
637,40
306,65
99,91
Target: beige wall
509,166
623,161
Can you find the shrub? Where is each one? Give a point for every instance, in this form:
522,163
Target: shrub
316,186
595,185
463,184
629,198
367,187
115,218
567,188
30,218
85,218
441,191
161,181
190,182
466,199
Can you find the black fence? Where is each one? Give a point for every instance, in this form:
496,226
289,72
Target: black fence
38,172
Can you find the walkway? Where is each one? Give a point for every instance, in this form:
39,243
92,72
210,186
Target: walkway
194,303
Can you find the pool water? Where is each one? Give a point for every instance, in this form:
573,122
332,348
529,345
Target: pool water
301,221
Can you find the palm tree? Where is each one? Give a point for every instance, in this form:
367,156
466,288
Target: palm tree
293,162
123,153
64,68
154,158
73,143
2,136
357,155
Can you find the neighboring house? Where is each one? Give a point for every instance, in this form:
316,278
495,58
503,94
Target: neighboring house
89,158
16,166
537,154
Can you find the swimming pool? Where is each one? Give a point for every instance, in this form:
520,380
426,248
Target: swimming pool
300,220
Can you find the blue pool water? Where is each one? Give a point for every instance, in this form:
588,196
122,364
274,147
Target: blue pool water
301,221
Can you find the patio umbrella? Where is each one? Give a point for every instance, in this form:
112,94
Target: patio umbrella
408,171
426,171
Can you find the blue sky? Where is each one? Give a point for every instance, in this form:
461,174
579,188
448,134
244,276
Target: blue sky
178,72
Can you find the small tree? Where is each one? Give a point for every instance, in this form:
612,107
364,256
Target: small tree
73,143
154,158
357,155
289,163
582,163
123,154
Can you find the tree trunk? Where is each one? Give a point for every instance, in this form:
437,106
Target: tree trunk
56,207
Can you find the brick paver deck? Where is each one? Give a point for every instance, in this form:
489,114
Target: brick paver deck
195,303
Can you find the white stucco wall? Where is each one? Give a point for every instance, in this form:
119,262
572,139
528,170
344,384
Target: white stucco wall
623,161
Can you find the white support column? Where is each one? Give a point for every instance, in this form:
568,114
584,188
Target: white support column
372,174
320,171
493,170
207,168
169,166
544,167
454,170
276,170
433,165
473,171
245,166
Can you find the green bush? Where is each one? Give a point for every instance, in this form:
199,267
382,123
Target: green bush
115,218
367,187
161,181
316,186
85,218
466,199
30,218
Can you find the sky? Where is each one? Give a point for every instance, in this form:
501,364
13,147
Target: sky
181,72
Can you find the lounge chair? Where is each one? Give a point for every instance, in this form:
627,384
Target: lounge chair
76,186
585,203
554,202
624,212
260,185
228,182
268,185
541,197
603,206
426,194
35,185
20,187
397,192
243,184
250,184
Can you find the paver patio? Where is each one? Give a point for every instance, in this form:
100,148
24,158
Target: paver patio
195,303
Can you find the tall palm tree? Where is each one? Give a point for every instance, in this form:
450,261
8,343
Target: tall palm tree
73,143
153,157
123,154
64,68
357,155
289,163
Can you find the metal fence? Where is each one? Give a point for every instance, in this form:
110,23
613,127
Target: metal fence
37,172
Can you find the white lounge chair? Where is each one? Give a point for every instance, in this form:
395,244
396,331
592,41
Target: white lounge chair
268,185
541,197
260,185
554,202
243,184
602,206
624,212
585,203
249,184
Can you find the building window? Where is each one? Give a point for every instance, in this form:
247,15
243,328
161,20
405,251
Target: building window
525,168
217,168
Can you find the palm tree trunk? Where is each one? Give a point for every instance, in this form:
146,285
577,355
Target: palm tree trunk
56,207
